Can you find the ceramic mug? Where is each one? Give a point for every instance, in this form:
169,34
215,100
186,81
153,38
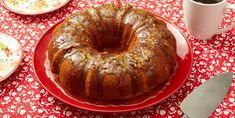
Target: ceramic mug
203,20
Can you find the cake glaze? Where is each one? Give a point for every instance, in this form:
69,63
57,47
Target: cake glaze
111,52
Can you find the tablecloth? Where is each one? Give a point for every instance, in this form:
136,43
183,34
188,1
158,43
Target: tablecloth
22,95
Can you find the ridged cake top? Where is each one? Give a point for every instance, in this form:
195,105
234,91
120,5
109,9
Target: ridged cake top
114,40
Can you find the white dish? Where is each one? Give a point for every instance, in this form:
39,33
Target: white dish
10,55
33,7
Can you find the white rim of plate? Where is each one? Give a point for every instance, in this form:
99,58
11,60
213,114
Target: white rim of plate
34,13
12,45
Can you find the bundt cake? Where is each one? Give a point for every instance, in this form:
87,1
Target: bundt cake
111,52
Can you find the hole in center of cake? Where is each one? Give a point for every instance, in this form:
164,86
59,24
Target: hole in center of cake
114,41
109,46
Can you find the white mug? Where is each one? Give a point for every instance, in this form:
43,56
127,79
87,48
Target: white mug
202,20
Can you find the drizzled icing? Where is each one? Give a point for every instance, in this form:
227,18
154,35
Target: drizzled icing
134,39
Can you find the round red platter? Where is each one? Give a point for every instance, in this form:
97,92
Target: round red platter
185,59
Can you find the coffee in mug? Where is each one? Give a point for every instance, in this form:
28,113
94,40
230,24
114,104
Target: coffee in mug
208,1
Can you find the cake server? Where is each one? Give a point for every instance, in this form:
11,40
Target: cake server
207,97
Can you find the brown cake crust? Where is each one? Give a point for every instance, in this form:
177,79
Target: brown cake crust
111,52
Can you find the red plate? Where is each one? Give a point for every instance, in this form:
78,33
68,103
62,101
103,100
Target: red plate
185,59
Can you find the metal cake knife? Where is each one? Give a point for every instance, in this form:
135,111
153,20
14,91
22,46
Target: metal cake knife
207,97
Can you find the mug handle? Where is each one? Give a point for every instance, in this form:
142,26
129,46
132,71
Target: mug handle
229,6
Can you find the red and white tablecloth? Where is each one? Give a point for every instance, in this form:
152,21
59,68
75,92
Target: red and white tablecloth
22,95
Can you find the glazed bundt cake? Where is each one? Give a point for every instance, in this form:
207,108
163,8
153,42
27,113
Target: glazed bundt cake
111,52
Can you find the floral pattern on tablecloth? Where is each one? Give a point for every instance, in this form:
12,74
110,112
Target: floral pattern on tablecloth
22,95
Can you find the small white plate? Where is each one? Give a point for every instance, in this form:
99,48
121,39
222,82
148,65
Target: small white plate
10,55
33,7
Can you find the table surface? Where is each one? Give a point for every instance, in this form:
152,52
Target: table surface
23,95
